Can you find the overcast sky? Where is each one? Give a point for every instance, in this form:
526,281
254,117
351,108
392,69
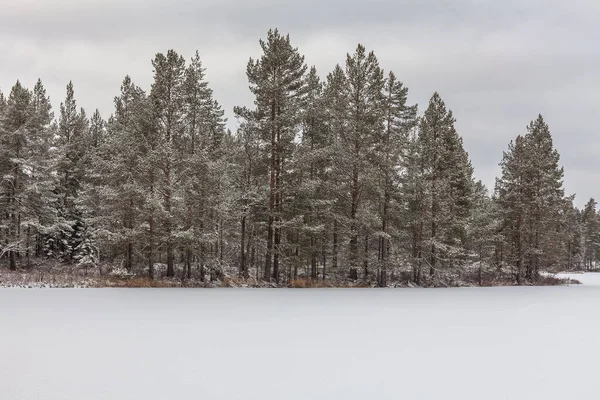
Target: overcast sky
496,63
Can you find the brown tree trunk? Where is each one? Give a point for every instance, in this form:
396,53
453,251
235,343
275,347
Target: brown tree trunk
324,255
313,257
278,206
334,261
415,251
570,262
272,189
276,254
366,259
354,225
480,265
519,251
168,227
433,255
151,249
12,262
296,260
129,263
12,254
28,252
242,271
420,253
187,271
249,253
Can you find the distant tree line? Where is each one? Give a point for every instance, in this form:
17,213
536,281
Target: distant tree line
339,179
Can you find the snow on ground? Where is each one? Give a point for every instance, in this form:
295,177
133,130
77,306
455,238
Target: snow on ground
279,344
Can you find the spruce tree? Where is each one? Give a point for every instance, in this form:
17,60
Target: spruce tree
482,229
572,231
27,183
117,190
72,141
447,169
13,149
41,182
392,151
204,127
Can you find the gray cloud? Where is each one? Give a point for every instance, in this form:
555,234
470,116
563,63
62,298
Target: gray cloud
496,63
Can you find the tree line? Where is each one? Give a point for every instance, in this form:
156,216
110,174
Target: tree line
338,179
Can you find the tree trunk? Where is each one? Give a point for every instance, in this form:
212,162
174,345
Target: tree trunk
354,226
202,257
28,252
168,227
570,262
272,189
14,235
334,261
269,250
296,260
151,248
366,259
250,253
480,265
519,251
276,255
432,264
242,271
415,251
420,253
188,262
324,255
129,264
278,207
12,260
221,243
313,257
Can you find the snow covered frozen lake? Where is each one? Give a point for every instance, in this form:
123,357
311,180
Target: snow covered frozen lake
335,344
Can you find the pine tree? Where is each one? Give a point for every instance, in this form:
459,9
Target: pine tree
336,123
546,194
336,179
167,100
251,190
531,198
513,201
591,234
278,84
365,83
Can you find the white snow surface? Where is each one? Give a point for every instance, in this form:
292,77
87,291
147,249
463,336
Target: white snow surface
280,344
